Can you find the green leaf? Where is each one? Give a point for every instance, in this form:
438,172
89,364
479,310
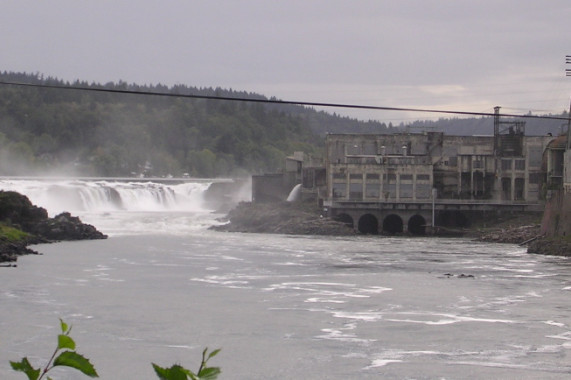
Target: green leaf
64,327
176,372
210,373
77,361
26,367
213,353
65,341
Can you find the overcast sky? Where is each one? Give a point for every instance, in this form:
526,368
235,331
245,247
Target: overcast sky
438,54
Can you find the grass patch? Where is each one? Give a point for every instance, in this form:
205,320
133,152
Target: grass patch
12,234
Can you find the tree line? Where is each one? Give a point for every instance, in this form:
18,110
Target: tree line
112,134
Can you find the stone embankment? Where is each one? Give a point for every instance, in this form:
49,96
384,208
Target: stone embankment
23,223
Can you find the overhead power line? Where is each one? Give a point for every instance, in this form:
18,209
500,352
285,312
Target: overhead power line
284,102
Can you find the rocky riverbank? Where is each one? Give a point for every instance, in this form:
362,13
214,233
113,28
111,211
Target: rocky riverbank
22,224
525,230
282,218
305,219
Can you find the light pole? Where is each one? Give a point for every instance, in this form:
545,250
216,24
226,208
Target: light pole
434,192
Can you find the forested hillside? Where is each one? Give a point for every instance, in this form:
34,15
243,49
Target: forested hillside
110,134
78,132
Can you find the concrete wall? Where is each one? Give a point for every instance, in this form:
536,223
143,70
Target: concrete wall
557,215
272,187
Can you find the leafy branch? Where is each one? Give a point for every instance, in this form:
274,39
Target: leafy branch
64,355
176,372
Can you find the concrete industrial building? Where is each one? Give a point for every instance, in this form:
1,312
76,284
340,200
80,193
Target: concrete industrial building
407,182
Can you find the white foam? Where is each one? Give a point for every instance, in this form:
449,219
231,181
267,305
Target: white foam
445,319
553,323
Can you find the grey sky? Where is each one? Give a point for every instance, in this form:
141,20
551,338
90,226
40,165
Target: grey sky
444,54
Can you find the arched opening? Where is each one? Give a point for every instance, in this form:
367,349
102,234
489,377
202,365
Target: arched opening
344,218
393,224
368,224
417,225
452,219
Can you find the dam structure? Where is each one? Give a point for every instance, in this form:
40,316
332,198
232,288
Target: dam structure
407,182
415,182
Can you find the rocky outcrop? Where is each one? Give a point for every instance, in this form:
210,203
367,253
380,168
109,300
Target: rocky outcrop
9,251
35,226
512,234
65,227
282,218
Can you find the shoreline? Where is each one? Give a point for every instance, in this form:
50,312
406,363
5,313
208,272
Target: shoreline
23,224
305,219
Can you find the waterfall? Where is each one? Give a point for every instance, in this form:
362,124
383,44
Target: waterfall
109,195
295,193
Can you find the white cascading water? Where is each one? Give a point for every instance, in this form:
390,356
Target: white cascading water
122,207
79,195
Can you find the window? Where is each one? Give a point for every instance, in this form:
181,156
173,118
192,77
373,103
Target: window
507,164
477,164
356,176
519,164
372,176
423,191
372,190
405,190
339,190
356,191
339,176
423,177
390,191
406,177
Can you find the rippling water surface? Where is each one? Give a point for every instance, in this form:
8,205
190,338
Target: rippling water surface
288,306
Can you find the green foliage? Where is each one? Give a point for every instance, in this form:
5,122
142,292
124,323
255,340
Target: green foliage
12,234
65,356
176,372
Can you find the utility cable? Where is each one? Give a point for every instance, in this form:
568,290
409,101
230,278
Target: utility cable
284,102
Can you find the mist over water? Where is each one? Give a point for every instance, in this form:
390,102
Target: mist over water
163,287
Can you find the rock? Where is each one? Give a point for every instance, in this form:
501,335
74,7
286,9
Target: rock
17,211
66,227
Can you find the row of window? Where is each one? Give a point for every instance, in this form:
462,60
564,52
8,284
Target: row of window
478,164
377,177
376,191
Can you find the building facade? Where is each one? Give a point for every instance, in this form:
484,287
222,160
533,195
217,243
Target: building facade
407,167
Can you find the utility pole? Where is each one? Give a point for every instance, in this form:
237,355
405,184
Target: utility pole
568,74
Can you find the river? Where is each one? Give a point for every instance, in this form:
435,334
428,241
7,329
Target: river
163,287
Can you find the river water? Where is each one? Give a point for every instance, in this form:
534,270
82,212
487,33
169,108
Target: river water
163,287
